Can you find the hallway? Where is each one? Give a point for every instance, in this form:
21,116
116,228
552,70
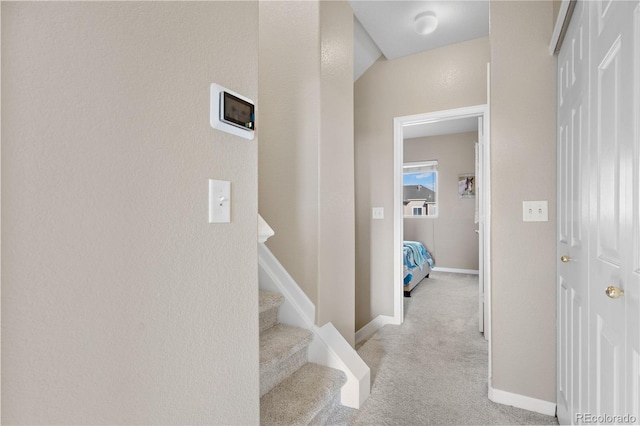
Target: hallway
433,368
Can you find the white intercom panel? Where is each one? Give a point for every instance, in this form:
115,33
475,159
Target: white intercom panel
232,112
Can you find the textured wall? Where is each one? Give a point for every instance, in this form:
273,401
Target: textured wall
120,303
440,79
336,236
289,132
450,237
523,167
306,150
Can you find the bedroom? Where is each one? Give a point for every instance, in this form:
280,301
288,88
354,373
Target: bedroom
446,223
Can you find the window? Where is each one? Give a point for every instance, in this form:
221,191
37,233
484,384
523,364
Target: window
420,188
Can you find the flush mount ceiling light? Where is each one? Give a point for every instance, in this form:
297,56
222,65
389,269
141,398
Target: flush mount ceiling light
425,23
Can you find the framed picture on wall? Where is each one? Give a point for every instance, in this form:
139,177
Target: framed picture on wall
467,186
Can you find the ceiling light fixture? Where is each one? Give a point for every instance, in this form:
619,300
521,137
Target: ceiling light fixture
425,23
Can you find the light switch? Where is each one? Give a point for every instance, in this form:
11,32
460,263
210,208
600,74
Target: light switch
219,201
535,211
378,212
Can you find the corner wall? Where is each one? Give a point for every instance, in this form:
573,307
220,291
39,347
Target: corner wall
523,167
446,78
121,304
336,230
289,119
306,161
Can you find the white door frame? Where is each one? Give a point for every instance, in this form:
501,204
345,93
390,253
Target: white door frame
398,226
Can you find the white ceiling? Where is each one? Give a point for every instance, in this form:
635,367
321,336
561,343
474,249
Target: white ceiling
386,28
390,23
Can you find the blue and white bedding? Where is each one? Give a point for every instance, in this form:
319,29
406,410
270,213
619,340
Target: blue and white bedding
415,256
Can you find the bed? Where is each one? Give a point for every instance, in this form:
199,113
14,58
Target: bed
417,264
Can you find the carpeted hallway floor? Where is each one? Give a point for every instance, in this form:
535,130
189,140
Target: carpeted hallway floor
433,368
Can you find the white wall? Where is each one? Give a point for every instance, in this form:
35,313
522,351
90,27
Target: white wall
450,77
523,167
450,237
120,303
306,150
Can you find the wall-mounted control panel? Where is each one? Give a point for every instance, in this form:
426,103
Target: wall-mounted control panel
232,112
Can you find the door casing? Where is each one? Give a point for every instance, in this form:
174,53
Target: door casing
484,213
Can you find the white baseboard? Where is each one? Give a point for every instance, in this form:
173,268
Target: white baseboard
297,310
457,271
331,349
374,325
521,401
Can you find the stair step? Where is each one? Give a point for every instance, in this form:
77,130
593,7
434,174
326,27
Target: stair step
304,397
283,350
341,416
270,299
322,418
269,304
280,342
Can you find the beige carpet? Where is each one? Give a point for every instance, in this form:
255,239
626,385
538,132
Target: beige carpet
433,368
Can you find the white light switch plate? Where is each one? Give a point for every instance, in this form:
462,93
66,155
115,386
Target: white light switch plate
219,201
378,212
535,211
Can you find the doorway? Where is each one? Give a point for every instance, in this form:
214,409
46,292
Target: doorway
406,124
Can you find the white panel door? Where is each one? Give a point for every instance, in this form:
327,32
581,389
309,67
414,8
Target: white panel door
632,279
573,217
598,214
611,165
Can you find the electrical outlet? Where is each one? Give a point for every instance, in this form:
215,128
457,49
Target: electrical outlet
535,211
378,212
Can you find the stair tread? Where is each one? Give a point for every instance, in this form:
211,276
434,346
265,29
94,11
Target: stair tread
269,300
281,341
342,415
299,398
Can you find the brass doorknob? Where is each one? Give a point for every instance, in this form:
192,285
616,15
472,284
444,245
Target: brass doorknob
565,259
613,292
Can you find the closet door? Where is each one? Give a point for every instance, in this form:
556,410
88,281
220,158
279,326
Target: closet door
612,256
599,215
573,216
633,274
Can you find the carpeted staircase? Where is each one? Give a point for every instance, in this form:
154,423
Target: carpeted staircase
292,390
